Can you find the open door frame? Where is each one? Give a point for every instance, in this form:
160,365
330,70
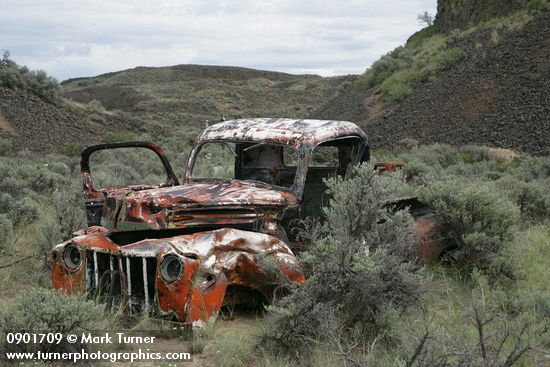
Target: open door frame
93,198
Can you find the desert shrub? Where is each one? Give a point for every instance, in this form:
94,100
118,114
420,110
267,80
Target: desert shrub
41,84
38,82
447,58
488,327
399,86
436,155
471,154
74,107
396,60
401,71
58,216
479,220
537,6
120,137
532,198
6,202
6,229
25,210
71,150
361,274
96,111
31,177
45,310
95,106
408,144
416,171
5,147
69,210
531,168
419,37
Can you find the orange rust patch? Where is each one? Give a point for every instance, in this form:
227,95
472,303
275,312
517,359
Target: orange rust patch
71,282
175,296
429,246
207,303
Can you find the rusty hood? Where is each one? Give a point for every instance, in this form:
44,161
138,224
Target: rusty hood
216,202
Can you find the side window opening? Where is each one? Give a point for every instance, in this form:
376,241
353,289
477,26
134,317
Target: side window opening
328,159
290,157
337,154
325,156
126,166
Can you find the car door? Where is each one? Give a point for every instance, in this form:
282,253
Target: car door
94,197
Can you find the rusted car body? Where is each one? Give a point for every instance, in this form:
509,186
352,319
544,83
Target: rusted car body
224,235
388,166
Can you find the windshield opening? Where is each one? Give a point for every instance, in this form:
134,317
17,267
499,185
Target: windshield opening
248,161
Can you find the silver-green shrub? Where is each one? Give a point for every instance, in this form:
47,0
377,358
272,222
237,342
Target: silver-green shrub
46,310
479,220
362,271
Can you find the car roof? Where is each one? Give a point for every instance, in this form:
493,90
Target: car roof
293,132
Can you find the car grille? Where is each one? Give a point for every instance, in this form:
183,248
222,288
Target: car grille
250,219
128,280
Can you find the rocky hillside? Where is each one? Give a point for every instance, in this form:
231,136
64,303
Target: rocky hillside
462,14
33,124
497,96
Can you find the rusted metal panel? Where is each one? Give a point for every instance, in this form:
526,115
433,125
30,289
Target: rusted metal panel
388,166
429,244
293,132
206,299
72,282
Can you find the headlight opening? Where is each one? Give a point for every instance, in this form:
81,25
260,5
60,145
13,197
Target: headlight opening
171,268
72,257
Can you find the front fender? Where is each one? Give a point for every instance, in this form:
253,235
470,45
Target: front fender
212,262
233,258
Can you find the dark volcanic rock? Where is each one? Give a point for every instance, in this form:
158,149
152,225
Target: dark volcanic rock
453,14
500,100
499,96
36,125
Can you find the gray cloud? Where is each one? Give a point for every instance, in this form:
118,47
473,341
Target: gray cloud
83,38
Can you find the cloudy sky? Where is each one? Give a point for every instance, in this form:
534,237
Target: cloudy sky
71,38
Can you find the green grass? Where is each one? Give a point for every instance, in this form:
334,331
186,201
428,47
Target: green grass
533,255
403,70
232,342
536,6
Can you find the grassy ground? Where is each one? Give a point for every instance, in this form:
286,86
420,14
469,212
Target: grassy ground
233,341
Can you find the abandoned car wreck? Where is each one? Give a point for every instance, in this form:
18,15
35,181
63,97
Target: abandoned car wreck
186,250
